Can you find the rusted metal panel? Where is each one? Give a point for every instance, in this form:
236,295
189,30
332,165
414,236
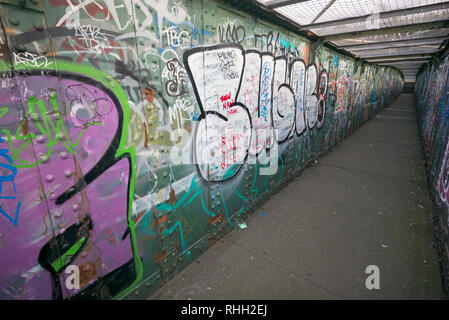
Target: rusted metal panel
136,134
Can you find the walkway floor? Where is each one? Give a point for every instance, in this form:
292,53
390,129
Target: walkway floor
364,203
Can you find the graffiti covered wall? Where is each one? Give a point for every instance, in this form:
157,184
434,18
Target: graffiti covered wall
136,133
432,100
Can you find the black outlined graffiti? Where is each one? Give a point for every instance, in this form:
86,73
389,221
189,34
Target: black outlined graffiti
74,185
174,74
248,101
232,33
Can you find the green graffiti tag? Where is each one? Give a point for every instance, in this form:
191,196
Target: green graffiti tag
51,128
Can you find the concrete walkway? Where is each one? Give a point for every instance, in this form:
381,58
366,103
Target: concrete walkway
364,203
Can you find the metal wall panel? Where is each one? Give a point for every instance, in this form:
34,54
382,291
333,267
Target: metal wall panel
137,133
432,99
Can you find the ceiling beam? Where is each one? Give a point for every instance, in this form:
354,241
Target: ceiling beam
409,70
396,59
435,45
391,42
388,30
389,63
397,67
329,4
282,3
386,54
401,58
382,15
396,46
404,62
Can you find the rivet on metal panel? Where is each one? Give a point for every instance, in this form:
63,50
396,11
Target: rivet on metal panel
14,21
37,25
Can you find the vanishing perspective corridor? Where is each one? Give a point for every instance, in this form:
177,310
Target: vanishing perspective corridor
224,149
364,203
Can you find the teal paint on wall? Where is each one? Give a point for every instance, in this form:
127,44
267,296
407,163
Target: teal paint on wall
137,133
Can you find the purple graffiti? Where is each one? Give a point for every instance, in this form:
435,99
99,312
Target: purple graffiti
73,192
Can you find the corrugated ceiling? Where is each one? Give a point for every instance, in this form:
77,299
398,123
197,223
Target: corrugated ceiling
385,31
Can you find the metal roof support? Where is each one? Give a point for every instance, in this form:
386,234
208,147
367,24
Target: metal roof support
391,42
282,3
357,64
405,54
259,10
382,15
331,2
436,61
444,49
388,30
403,62
436,46
314,48
423,68
388,61
395,59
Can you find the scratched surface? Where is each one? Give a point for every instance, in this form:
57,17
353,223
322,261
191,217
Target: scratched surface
432,100
135,134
